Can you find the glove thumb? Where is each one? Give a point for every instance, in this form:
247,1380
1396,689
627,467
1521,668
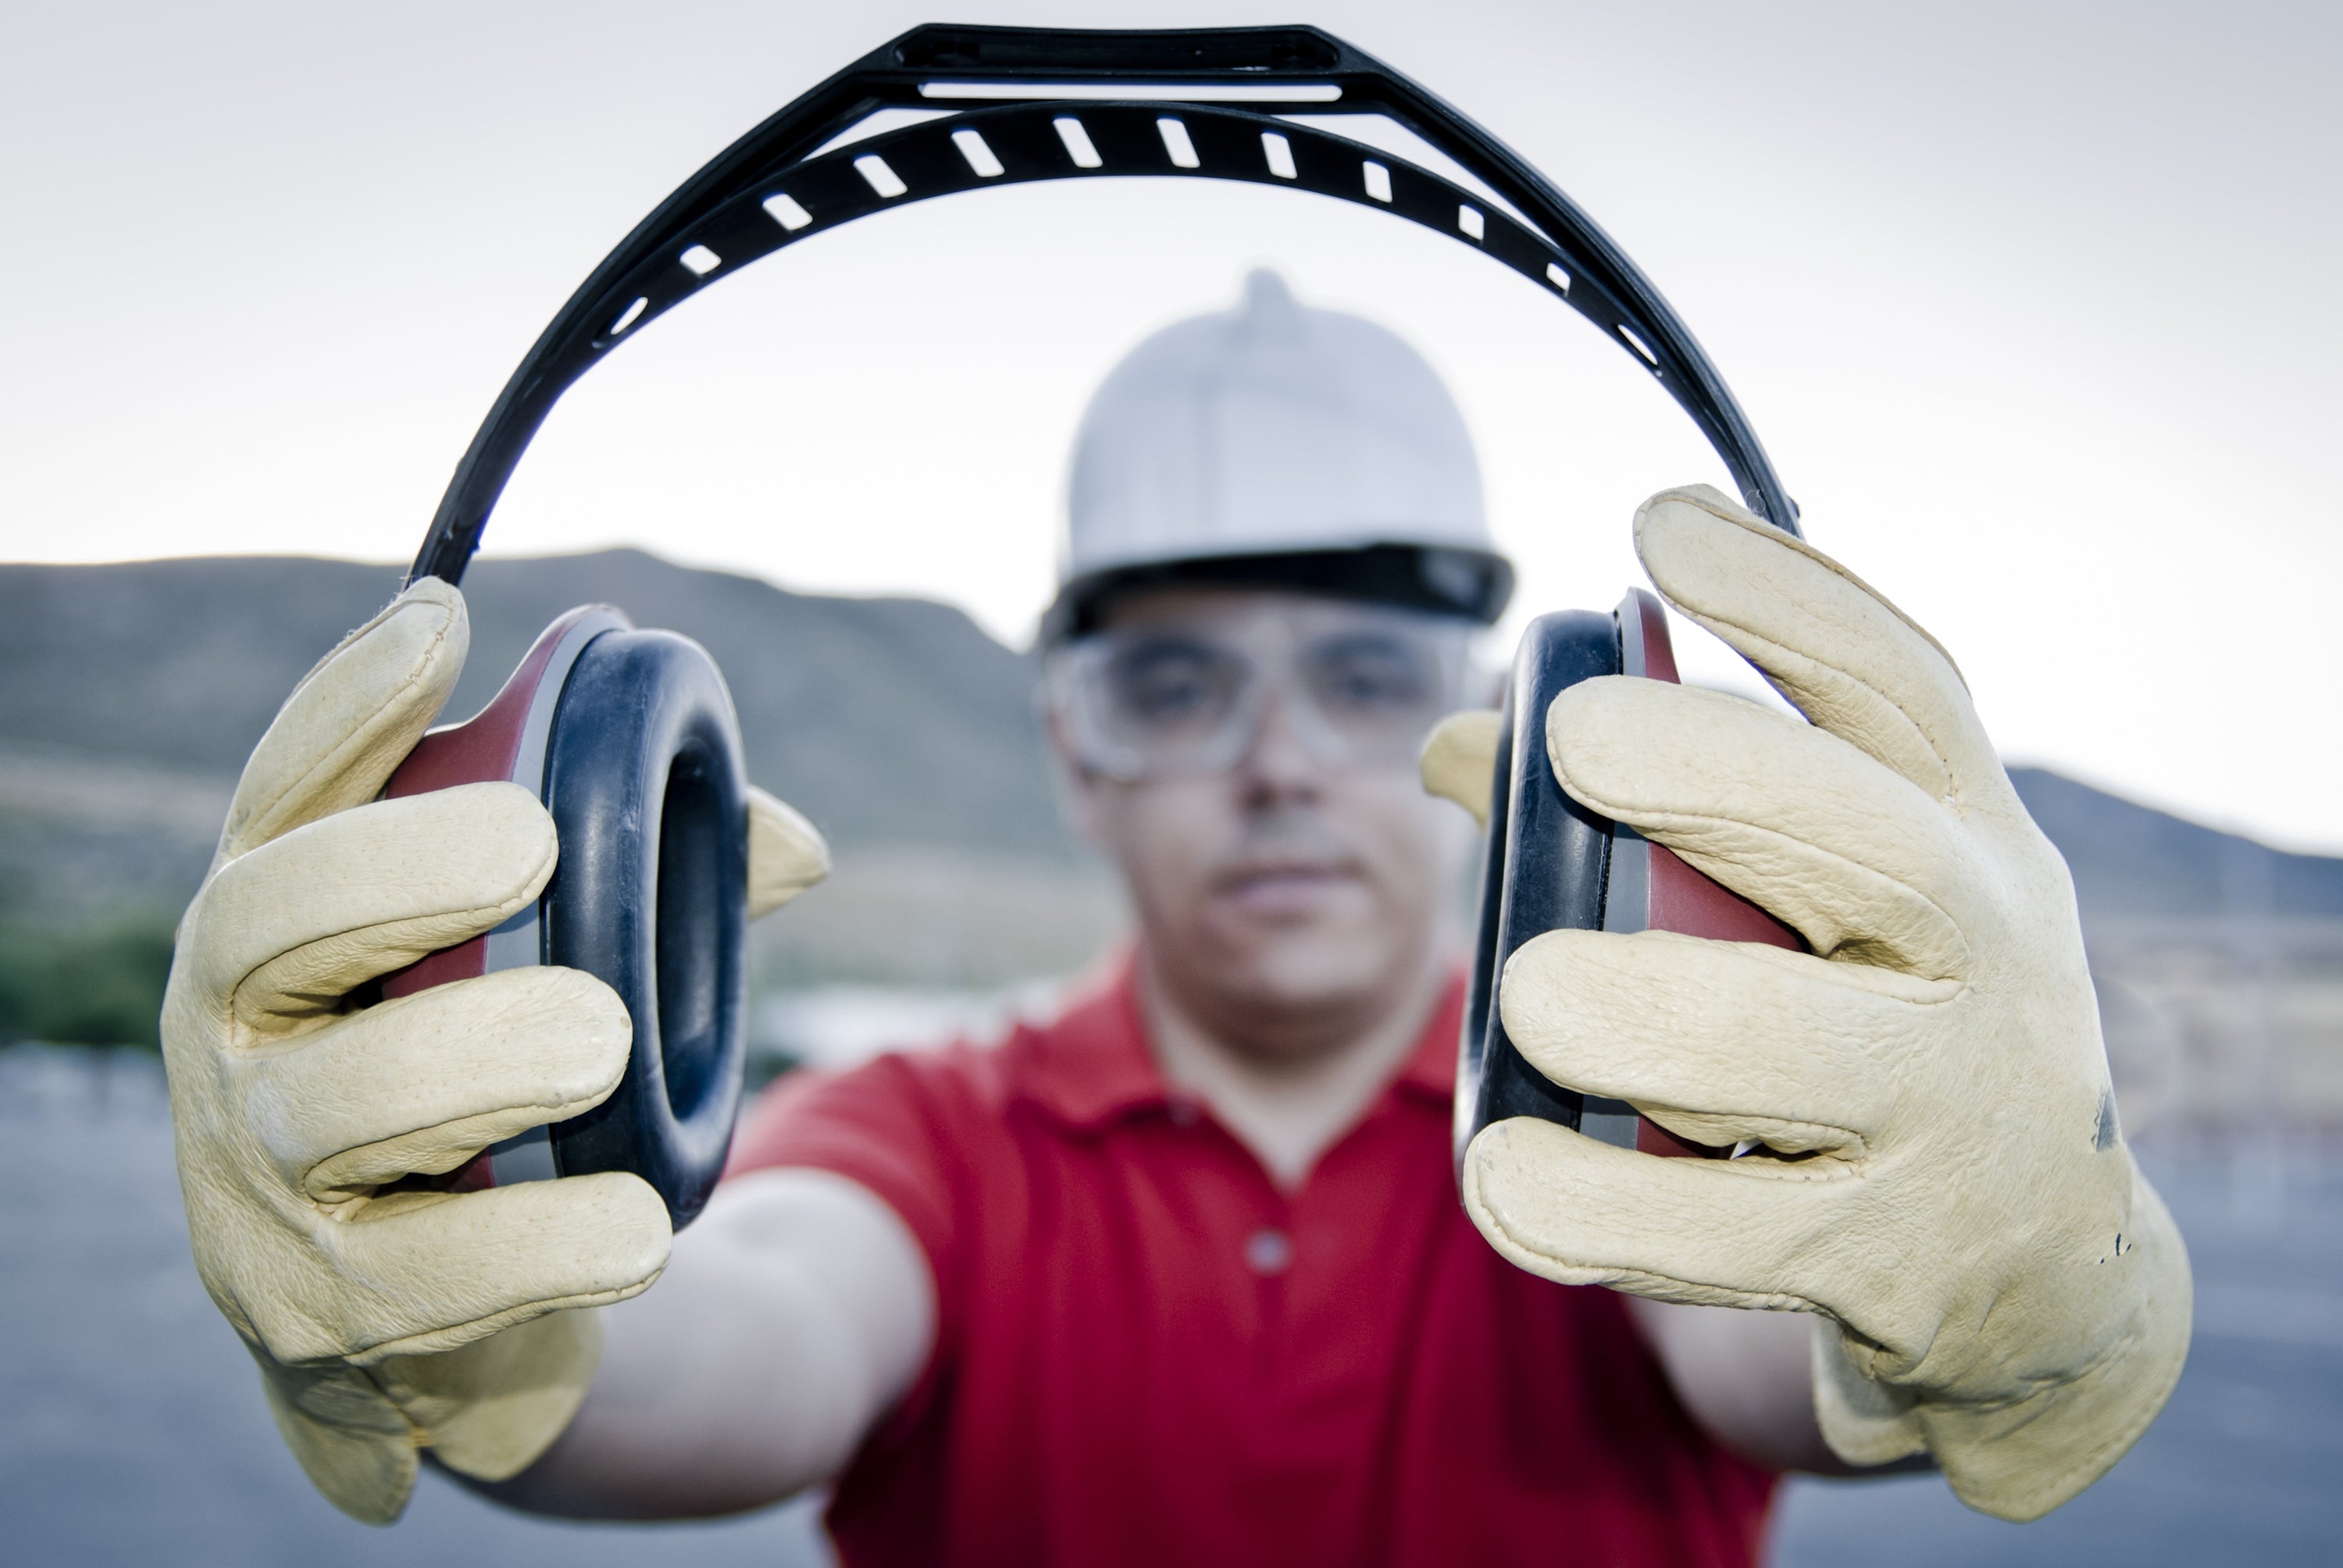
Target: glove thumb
787,854
353,718
1460,761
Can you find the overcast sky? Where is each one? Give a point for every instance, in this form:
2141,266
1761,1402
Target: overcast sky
2034,305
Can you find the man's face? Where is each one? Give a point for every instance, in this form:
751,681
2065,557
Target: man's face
1248,759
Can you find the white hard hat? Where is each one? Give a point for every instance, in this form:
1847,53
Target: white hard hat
1277,443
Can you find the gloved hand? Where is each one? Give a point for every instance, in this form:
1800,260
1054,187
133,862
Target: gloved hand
384,1318
1943,1178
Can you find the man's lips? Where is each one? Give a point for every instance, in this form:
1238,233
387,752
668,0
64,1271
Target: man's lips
1272,887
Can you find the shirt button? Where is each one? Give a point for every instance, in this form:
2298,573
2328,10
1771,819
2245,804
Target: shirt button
1268,1252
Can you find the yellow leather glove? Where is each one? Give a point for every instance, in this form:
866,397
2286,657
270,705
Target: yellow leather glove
385,1320
1943,1178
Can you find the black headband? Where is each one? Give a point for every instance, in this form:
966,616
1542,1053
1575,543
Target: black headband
1030,103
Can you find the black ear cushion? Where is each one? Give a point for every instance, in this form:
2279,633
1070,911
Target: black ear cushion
644,780
1542,869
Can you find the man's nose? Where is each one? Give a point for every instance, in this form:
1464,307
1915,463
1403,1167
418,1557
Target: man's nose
1278,767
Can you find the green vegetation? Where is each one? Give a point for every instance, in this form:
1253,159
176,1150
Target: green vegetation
100,985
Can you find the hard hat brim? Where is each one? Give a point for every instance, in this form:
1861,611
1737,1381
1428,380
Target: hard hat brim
1470,584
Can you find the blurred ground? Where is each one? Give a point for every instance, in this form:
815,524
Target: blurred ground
133,1432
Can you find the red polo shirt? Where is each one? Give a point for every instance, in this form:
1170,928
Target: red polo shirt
1147,1353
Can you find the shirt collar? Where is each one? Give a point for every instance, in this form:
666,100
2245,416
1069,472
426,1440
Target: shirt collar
1093,1066
1090,1065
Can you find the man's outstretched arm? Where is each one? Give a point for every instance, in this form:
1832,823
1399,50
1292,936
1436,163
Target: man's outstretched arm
791,1318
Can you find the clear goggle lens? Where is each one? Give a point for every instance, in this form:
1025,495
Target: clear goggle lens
1359,687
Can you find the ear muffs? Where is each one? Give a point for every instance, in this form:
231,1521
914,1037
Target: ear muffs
645,784
998,107
629,738
1550,864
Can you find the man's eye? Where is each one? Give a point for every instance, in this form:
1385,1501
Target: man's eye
1366,674
1168,684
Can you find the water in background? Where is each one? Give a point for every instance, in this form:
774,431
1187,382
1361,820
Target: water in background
134,1431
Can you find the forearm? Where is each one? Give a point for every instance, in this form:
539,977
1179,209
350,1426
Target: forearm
791,1318
1747,1378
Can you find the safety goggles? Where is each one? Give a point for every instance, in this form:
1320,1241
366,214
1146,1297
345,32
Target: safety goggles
1358,686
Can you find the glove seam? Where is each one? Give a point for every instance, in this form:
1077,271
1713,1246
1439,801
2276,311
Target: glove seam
1675,819
366,1356
1853,1148
236,991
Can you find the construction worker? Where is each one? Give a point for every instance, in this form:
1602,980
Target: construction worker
1178,1273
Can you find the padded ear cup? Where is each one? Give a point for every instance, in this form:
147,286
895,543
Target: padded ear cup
644,779
1550,864
1542,869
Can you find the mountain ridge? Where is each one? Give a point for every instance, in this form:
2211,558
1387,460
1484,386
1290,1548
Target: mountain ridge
853,709
893,721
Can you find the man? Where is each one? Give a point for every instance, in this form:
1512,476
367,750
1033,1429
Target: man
1179,1275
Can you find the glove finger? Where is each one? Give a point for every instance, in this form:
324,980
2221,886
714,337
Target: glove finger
1847,657
282,934
1720,1041
787,853
422,1083
1788,816
1459,761
353,718
426,1272
1713,1233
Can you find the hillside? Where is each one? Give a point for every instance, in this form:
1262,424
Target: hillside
892,720
2129,859
130,693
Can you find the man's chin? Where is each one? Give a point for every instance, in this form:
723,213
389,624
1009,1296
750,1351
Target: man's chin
1309,973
